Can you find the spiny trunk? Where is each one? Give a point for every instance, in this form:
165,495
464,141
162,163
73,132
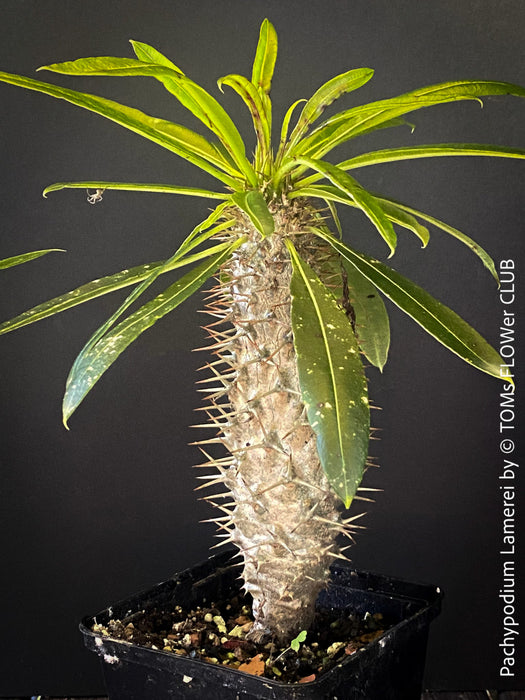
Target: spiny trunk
280,511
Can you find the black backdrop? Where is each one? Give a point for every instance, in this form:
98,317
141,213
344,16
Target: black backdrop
91,515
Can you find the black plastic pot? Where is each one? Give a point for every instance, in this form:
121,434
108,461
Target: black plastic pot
390,668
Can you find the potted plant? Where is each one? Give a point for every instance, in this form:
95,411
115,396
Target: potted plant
296,310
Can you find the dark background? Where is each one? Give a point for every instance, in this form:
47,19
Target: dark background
92,515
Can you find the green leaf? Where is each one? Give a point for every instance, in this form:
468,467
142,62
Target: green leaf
286,163
252,99
393,211
191,241
335,216
287,118
199,102
363,306
389,124
434,317
365,201
99,287
296,643
86,292
359,120
332,379
218,214
265,57
96,357
324,96
174,137
372,326
398,216
126,278
135,187
26,257
482,254
253,203
148,54
111,65
389,155
206,108
284,136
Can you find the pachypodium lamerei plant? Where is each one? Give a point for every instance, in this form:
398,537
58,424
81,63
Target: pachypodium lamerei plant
296,309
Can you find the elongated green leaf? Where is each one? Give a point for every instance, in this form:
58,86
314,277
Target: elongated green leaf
372,326
174,137
437,319
363,306
196,149
252,99
324,96
365,201
203,230
86,292
282,142
335,216
206,108
263,152
191,241
398,216
135,187
148,54
262,74
126,278
254,204
287,118
194,239
111,65
397,213
436,94
482,254
265,57
259,104
329,193
288,162
26,257
97,357
358,120
393,212
389,155
332,379
99,287
199,102
371,318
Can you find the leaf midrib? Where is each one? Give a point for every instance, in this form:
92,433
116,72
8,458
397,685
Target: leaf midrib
330,362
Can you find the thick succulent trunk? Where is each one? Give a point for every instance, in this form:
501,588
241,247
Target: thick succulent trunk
279,509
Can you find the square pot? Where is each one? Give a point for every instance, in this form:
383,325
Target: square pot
390,668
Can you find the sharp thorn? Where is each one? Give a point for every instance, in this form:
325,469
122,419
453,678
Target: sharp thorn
339,556
354,517
221,544
211,441
224,494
